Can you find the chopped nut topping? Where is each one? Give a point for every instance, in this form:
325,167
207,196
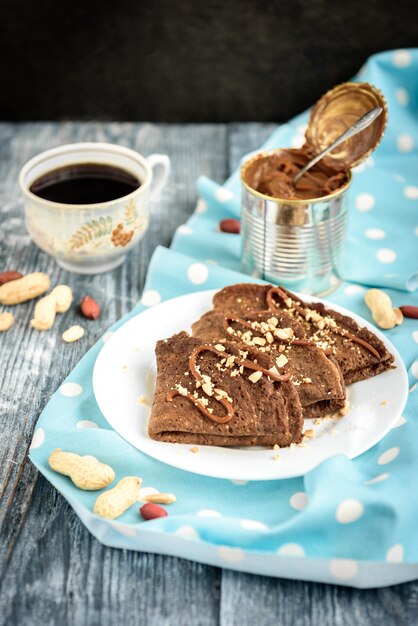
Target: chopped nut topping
220,393
182,390
276,446
142,400
273,321
269,337
220,347
255,376
307,380
259,341
281,360
310,433
208,388
283,333
195,449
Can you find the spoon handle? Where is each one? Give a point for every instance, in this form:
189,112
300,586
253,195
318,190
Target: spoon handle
363,122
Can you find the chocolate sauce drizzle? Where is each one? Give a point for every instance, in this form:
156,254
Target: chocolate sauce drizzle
221,419
301,311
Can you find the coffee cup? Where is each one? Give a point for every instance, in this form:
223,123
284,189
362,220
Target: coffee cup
88,204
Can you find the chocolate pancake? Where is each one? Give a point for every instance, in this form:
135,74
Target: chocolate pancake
317,377
358,352
213,394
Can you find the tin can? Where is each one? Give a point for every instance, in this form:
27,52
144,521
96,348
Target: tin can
300,243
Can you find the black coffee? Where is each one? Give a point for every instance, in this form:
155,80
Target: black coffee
85,183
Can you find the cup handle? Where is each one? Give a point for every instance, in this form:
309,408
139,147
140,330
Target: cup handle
160,165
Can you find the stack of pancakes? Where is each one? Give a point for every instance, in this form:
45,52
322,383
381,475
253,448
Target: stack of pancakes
257,364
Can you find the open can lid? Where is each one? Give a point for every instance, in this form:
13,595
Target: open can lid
336,111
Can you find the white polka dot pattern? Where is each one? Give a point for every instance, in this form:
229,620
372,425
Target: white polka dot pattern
231,555
402,58
86,424
185,230
349,511
201,206
151,297
385,255
291,549
402,96
252,524
365,202
187,532
375,233
377,479
388,456
405,143
343,569
411,192
71,390
37,439
197,273
124,529
395,554
299,500
223,195
351,290
208,513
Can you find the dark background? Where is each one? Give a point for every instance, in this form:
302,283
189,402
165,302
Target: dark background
187,61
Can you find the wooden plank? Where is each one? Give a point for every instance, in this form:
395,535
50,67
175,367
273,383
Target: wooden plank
54,571
250,599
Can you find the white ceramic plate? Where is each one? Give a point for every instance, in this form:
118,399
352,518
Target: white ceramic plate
125,370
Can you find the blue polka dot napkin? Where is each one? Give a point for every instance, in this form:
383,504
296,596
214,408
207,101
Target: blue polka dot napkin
346,522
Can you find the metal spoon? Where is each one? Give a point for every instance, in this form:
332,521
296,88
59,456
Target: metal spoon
363,122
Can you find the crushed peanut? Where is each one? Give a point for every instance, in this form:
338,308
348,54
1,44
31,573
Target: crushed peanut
255,376
281,360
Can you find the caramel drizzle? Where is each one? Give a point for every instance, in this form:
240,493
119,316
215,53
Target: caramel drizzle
221,419
241,322
338,331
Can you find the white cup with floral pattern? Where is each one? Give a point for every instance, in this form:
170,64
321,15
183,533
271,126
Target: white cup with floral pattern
92,238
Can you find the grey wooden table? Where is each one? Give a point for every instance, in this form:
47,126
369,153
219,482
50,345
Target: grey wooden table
53,572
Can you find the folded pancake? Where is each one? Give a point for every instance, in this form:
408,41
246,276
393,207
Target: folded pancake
217,394
316,376
358,352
